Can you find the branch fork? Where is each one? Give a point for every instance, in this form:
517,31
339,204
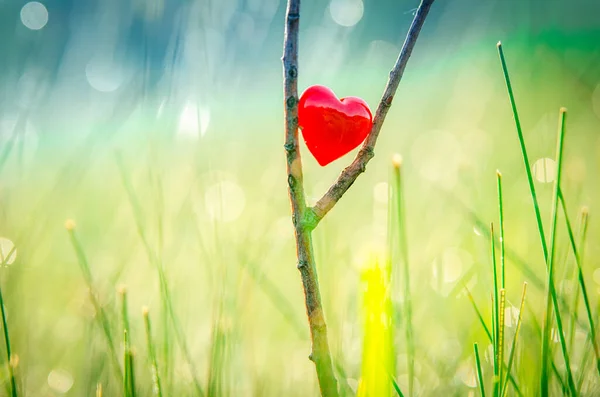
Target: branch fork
306,219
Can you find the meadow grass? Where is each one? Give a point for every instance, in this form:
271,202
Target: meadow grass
229,317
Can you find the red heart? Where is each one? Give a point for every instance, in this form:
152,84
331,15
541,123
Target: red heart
332,127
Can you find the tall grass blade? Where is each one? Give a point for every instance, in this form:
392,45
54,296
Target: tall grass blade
101,316
479,372
548,259
157,264
9,357
400,213
551,287
501,216
479,316
496,318
501,340
491,338
511,355
129,378
156,384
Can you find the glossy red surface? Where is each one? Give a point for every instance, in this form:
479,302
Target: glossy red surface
332,127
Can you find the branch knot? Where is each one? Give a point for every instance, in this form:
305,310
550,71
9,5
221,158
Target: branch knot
289,147
291,181
293,72
291,101
302,264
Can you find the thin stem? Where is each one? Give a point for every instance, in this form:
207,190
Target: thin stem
366,153
496,317
501,340
551,288
404,252
501,214
491,337
320,352
511,355
479,372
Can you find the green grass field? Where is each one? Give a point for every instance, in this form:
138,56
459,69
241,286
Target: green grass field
145,262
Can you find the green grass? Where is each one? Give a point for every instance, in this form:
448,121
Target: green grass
9,358
552,300
479,371
403,246
226,303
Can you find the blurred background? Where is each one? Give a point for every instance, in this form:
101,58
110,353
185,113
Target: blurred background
157,126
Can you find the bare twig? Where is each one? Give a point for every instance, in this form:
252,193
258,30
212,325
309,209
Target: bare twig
320,353
305,219
366,153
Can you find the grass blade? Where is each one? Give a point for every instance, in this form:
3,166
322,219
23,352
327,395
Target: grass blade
396,387
479,372
397,162
481,320
501,340
129,378
496,318
501,215
100,313
9,357
511,96
491,339
549,260
511,355
156,385
551,288
155,261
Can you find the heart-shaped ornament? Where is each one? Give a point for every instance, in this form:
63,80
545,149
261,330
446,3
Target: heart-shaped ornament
332,127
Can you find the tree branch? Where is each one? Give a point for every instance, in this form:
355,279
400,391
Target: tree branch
305,219
366,153
320,353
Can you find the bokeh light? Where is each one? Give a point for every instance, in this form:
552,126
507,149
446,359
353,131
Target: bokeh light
544,170
34,15
60,381
8,252
346,12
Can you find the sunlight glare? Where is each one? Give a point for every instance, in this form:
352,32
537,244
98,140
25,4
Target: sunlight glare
193,121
